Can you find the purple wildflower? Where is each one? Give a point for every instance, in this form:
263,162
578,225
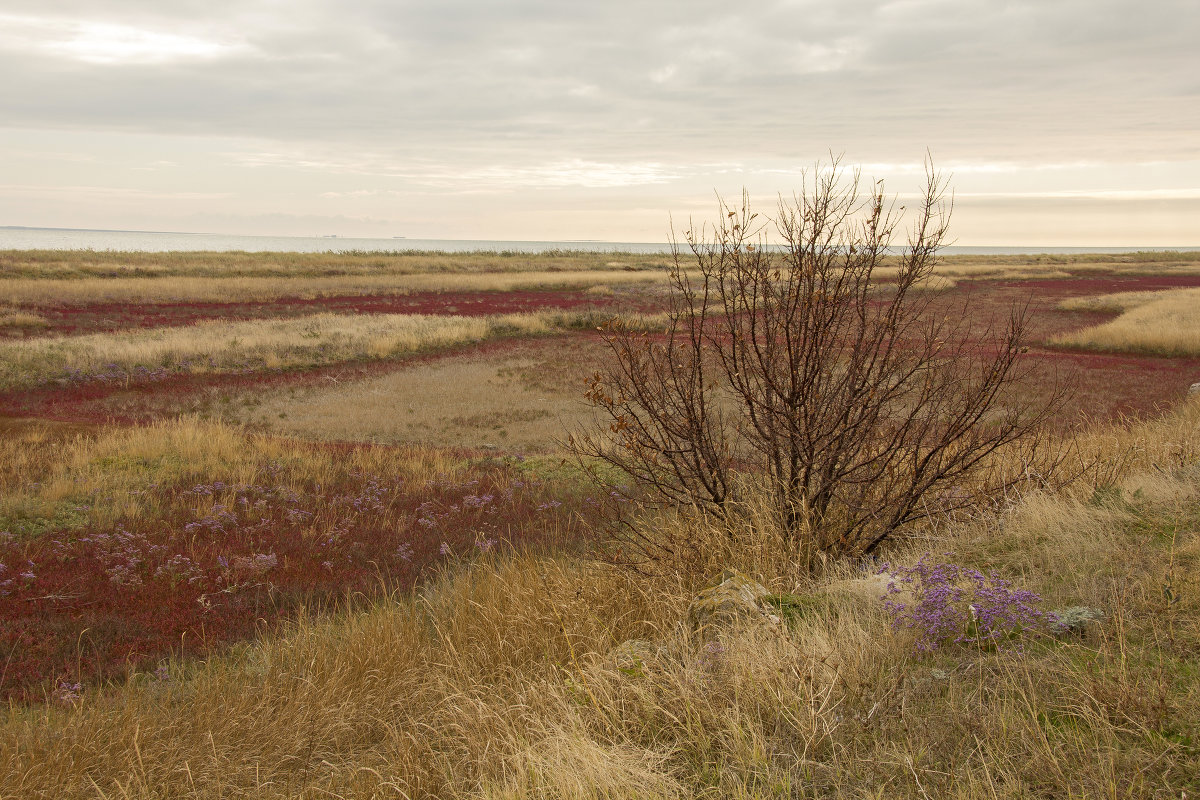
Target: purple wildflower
953,604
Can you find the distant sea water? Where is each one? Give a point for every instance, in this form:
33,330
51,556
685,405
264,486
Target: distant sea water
19,238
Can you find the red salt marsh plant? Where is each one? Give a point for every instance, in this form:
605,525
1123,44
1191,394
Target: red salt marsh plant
191,565
95,317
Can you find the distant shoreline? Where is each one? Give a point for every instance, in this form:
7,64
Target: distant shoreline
22,237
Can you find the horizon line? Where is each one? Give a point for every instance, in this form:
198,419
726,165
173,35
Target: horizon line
1027,248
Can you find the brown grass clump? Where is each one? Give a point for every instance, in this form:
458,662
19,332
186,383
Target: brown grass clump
1165,323
508,679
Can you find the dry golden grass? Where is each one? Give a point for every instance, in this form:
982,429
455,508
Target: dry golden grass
64,264
525,397
1117,302
112,264
505,679
14,318
267,344
222,346
1156,323
34,278
48,470
1109,454
172,289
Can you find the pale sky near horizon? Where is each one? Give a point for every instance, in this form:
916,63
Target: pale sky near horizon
1063,122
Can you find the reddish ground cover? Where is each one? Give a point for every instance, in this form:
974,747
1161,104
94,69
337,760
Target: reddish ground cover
991,300
103,317
1108,385
225,560
143,396
1089,284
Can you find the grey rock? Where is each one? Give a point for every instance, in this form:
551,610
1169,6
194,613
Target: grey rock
736,599
632,656
1074,620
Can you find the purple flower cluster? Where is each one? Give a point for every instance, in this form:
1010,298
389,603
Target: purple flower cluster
953,604
123,554
371,499
250,506
68,692
179,569
241,572
483,501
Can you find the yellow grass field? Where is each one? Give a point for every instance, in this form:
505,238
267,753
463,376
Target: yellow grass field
223,346
31,279
308,341
16,318
36,292
64,264
1163,323
543,671
44,470
457,403
552,677
113,264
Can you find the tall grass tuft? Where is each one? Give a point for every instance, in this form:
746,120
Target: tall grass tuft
1165,323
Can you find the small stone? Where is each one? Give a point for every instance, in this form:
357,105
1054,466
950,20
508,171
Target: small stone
737,598
1074,620
631,655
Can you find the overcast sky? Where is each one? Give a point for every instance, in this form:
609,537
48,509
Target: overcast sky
1064,122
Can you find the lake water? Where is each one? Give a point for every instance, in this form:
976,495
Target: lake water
12,238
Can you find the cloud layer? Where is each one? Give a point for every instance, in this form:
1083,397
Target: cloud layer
432,112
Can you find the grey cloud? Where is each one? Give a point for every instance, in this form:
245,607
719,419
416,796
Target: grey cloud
542,80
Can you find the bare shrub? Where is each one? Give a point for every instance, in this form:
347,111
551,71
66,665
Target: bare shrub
858,406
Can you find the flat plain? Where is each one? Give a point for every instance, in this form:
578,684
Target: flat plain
217,469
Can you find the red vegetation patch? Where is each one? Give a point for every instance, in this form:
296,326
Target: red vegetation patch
223,560
1106,387
103,317
1062,288
143,396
